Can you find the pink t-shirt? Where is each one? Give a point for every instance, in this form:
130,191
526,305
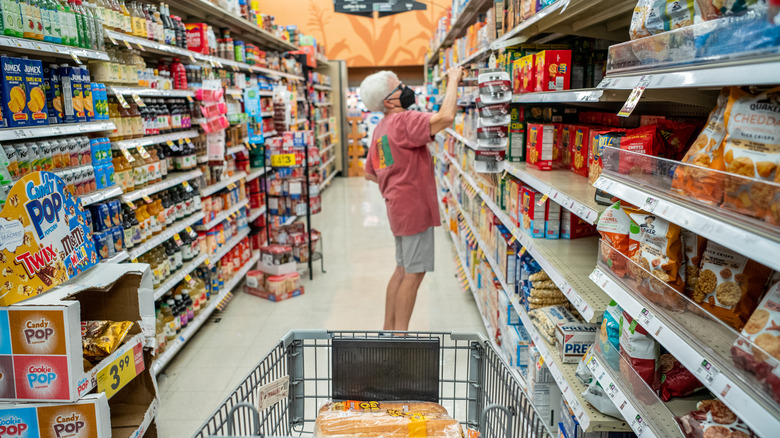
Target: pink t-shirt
399,158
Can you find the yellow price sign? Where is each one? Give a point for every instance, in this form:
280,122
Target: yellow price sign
113,41
138,101
189,230
283,160
75,57
207,261
169,143
130,204
140,47
189,99
177,239
231,186
134,260
522,250
189,279
147,199
144,153
120,371
542,201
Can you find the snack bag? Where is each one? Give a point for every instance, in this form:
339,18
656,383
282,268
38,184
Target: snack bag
656,246
101,338
386,419
713,419
652,17
614,226
730,285
676,136
645,140
761,331
676,380
640,350
707,152
752,150
598,141
598,398
693,248
714,9
608,341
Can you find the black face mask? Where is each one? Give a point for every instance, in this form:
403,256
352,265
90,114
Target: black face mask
407,97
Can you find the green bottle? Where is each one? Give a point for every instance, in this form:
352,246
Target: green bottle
12,18
68,21
80,29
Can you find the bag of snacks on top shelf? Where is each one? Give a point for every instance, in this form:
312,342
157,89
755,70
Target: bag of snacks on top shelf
752,150
676,380
730,285
707,152
714,9
763,331
652,17
713,419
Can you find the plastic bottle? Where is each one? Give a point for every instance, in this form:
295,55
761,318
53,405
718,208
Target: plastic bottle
78,23
96,25
90,36
55,18
116,16
68,23
136,122
153,168
43,6
212,40
180,38
169,320
168,34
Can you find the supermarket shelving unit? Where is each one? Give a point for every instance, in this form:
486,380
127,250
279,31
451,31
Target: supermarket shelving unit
700,343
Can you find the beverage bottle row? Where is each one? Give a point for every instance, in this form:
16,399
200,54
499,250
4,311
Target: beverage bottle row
74,23
145,21
47,155
177,309
167,258
157,117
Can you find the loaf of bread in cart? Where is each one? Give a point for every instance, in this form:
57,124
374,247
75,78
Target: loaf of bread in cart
386,419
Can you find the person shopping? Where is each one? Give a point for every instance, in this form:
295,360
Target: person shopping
399,161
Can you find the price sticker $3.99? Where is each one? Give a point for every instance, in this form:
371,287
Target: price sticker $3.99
119,372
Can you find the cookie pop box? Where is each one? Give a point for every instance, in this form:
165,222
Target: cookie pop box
88,417
41,355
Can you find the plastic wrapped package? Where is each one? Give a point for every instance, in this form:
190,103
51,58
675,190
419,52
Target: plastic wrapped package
386,419
713,419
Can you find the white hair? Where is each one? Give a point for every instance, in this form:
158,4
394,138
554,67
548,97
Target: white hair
375,88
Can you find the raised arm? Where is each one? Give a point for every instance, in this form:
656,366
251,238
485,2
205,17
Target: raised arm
446,115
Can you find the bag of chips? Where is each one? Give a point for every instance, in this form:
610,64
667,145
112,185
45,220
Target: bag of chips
693,248
730,285
640,349
752,150
101,338
676,380
656,247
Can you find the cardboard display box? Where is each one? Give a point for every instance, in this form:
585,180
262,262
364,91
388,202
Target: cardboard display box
41,355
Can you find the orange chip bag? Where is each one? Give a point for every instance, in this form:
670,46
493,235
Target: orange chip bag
730,285
707,152
614,225
752,150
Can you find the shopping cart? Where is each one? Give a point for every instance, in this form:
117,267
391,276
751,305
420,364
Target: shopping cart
461,371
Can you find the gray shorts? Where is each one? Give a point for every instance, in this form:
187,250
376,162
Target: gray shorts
415,253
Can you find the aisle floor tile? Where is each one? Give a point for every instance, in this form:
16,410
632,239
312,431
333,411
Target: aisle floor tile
359,260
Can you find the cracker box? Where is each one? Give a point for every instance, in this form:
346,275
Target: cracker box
552,220
36,95
14,98
573,340
578,149
574,227
531,214
516,149
514,201
563,136
553,70
540,145
528,8
527,81
506,254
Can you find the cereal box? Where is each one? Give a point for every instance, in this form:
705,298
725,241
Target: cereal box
578,149
553,70
540,145
15,112
552,220
36,95
532,215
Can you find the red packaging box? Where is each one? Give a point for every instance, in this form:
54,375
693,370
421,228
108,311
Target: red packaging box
574,227
578,149
553,70
197,41
527,73
561,156
540,146
532,216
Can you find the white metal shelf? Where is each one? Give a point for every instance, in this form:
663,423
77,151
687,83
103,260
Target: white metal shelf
100,195
174,279
255,173
177,227
228,246
270,134
155,139
173,348
571,191
321,136
329,147
255,213
117,258
149,92
572,96
235,149
58,50
224,214
566,262
327,163
703,346
759,245
471,144
466,18
205,191
173,179
10,134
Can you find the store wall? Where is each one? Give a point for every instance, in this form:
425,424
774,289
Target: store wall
396,40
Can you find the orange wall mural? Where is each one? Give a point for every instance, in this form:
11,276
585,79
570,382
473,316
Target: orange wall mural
395,40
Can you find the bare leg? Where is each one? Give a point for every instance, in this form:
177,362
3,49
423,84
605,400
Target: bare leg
390,299
407,294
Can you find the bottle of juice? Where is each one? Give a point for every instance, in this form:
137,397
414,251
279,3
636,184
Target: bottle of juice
123,172
153,166
163,162
68,23
78,23
136,122
160,339
149,22
93,16
169,320
43,5
12,18
100,8
139,170
56,21
116,16
159,29
89,26
135,20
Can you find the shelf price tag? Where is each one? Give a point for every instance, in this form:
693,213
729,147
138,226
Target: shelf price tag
146,199
121,99
113,41
207,262
188,188
633,98
138,101
144,153
122,370
650,204
638,424
612,390
283,160
541,201
189,280
140,47
645,317
190,231
135,260
189,99
75,57
231,186
192,58
706,372
592,364
177,239
130,204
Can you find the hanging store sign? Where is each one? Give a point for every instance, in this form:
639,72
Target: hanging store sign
44,240
366,8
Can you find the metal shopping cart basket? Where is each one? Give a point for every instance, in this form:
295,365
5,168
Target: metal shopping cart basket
461,371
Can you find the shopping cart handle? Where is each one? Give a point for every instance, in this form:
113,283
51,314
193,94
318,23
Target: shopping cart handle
483,420
255,417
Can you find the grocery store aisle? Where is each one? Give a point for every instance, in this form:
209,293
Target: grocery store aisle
359,258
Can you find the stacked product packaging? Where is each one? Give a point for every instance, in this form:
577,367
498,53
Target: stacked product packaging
495,95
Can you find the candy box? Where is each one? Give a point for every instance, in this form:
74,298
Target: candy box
36,95
540,144
553,70
88,417
531,215
14,93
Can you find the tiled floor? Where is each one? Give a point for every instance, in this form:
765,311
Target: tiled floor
359,259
